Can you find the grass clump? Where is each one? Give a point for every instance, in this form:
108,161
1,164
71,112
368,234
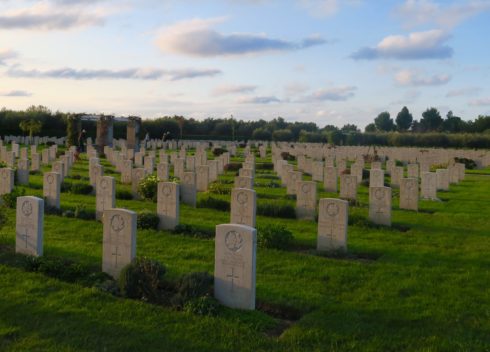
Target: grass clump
141,279
276,209
147,220
10,199
275,236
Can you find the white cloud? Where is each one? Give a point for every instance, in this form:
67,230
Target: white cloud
16,93
417,78
6,55
44,16
480,102
420,12
259,100
333,94
417,45
463,92
197,38
233,89
130,73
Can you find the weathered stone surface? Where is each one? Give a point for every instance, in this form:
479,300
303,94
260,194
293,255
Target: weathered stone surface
330,179
105,195
380,205
442,179
52,189
244,182
23,172
188,188
7,180
243,207
119,241
409,193
428,186
376,178
348,187
168,205
202,178
305,200
29,226
235,265
332,224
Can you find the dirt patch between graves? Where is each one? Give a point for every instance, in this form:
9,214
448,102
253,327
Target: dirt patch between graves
285,315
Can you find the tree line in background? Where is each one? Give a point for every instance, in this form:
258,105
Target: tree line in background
430,130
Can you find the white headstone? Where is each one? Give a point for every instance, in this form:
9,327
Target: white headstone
119,241
243,207
332,224
105,195
29,226
168,205
305,200
380,205
235,265
51,189
409,193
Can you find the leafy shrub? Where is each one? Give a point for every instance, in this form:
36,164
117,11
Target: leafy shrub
192,286
141,279
264,166
219,151
287,156
3,217
124,194
148,220
59,268
469,163
213,203
276,209
81,212
219,188
274,236
193,231
148,187
3,164
51,210
205,305
65,186
233,166
10,199
81,188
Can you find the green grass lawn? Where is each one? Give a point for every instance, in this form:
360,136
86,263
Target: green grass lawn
423,285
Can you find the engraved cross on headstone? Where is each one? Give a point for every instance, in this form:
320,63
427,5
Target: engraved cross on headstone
116,254
232,277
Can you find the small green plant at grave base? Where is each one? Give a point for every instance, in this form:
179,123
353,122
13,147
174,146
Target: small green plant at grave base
59,268
219,151
141,279
398,163
233,166
468,163
276,209
81,212
213,203
3,164
65,186
148,187
219,188
124,194
10,199
148,220
3,217
192,286
81,188
51,210
275,236
265,166
205,305
194,231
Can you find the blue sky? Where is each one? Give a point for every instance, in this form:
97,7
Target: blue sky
326,61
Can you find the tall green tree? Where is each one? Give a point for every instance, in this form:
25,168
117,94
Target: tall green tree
384,122
404,120
30,126
431,120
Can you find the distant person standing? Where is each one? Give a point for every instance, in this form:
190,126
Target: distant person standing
82,141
